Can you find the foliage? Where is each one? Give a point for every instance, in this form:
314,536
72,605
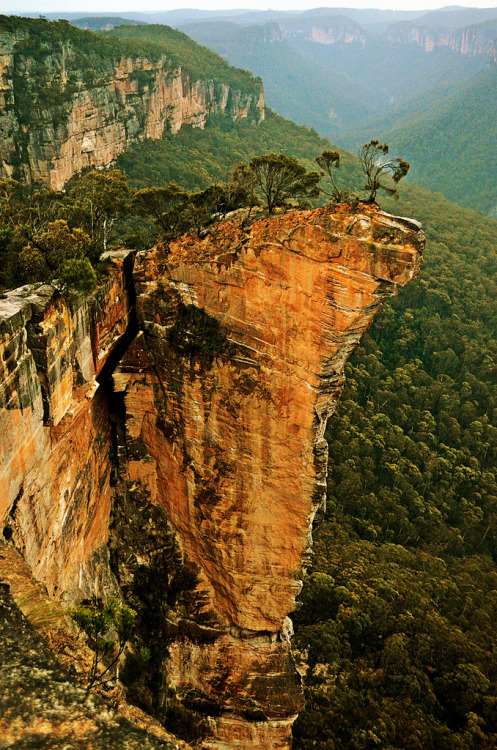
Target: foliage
108,628
280,178
215,151
77,274
198,61
376,164
328,161
165,206
196,332
47,235
99,200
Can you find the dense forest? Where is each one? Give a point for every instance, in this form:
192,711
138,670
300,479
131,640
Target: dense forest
40,40
397,620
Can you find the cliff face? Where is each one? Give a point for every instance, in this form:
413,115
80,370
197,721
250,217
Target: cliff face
225,395
478,39
246,334
55,494
58,115
337,30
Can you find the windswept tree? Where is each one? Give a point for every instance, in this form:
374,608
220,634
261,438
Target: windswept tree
329,161
377,164
280,178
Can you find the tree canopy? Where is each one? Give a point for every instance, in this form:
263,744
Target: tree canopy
280,178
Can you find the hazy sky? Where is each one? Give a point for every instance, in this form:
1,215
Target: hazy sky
102,6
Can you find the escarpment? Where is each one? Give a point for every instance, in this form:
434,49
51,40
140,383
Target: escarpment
208,441
76,103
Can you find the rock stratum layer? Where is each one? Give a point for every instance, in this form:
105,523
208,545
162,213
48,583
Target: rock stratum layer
225,395
65,107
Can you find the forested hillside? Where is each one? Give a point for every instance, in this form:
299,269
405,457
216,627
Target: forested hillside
335,85
427,85
449,136
396,623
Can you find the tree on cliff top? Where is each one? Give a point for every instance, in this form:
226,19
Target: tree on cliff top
99,200
376,164
166,206
280,177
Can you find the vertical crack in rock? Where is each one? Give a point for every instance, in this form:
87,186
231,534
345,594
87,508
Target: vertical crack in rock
227,394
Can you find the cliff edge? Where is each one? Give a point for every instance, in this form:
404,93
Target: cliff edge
215,417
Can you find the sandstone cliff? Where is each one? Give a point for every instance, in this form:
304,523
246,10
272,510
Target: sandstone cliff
324,30
478,39
69,102
216,421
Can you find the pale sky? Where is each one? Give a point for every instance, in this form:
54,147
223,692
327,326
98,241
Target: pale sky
116,6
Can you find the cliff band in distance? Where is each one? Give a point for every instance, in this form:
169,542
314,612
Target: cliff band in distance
66,107
239,362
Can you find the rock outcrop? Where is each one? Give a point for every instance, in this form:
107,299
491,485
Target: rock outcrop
55,438
324,30
64,108
245,337
225,394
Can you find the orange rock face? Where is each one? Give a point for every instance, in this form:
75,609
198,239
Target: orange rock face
221,403
55,494
246,333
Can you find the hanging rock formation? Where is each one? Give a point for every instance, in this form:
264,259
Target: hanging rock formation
245,337
226,390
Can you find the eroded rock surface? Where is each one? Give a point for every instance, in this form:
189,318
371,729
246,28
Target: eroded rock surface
245,336
55,436
58,117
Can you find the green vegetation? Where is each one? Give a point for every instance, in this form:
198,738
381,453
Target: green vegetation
398,616
333,87
109,627
280,178
44,49
198,61
47,235
449,136
215,150
397,619
376,164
